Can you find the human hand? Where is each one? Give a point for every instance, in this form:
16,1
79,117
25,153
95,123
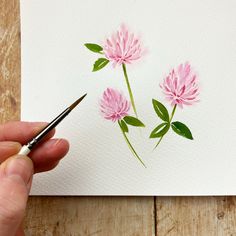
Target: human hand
16,172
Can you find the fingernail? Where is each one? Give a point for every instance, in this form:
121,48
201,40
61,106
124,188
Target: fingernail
58,141
19,166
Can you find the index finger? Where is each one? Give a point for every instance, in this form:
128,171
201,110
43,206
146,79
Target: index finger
21,132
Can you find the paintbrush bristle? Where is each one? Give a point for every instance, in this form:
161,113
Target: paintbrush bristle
73,105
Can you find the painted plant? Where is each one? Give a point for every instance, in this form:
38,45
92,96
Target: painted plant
181,89
115,107
122,48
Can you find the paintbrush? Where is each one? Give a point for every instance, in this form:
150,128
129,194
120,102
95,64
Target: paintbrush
26,149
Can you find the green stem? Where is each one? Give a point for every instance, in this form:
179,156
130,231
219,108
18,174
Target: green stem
172,113
130,146
158,142
129,89
171,117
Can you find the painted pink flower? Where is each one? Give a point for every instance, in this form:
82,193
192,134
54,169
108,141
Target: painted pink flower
181,86
123,47
113,105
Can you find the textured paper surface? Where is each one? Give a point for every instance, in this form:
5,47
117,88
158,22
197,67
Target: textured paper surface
56,69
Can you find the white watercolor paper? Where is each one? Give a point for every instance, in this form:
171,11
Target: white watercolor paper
57,69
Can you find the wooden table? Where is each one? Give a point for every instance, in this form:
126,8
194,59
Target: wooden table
103,216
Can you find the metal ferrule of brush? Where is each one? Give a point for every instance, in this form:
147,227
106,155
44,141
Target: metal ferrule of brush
49,127
31,144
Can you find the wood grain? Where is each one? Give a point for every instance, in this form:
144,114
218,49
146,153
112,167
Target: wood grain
103,216
9,60
100,216
210,216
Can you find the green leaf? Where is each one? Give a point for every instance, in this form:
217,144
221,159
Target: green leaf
124,126
160,130
93,47
130,120
181,129
100,63
161,110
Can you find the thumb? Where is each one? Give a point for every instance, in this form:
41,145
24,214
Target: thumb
15,180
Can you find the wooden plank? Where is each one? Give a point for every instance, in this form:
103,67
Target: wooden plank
200,216
9,60
226,216
60,215
100,216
